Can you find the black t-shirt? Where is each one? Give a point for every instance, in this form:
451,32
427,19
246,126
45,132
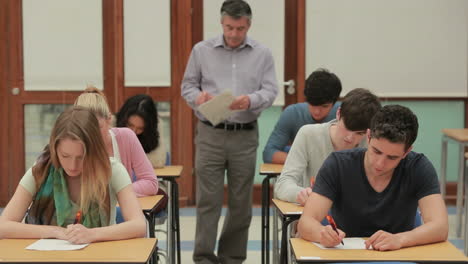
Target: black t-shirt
358,209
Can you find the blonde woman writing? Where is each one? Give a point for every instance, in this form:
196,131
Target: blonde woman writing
74,174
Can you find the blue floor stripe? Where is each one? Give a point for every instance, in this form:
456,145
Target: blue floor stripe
191,211
188,245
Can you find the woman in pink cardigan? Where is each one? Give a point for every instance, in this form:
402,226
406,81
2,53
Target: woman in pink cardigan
121,144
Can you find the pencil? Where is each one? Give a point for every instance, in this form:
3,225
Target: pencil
77,217
333,225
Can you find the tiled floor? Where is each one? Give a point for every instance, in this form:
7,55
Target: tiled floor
187,223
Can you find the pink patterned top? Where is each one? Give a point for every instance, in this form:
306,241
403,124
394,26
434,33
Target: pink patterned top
133,157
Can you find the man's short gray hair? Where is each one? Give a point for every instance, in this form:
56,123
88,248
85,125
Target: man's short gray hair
236,9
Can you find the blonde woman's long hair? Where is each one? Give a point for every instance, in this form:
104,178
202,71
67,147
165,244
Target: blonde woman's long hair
96,101
80,124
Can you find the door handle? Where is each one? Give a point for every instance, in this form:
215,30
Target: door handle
291,86
15,91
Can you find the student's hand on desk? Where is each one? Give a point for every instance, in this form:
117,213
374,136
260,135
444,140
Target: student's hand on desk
79,234
329,237
383,241
303,195
59,232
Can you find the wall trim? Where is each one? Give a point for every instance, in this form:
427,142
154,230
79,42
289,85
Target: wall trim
451,191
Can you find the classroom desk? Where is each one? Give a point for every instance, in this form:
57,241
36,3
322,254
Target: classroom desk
465,224
443,252
148,205
459,136
269,171
288,212
170,174
138,250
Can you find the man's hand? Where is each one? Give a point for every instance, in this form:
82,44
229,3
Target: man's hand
383,241
241,102
329,237
303,195
203,97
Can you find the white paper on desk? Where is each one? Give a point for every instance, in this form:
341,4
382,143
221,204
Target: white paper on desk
349,243
54,244
217,109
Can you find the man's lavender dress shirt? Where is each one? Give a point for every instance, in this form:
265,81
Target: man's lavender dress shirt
247,70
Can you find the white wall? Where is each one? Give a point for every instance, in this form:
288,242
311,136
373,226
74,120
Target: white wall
396,48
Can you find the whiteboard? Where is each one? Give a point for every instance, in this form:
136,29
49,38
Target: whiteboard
397,48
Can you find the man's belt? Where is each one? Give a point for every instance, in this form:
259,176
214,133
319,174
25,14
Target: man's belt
233,126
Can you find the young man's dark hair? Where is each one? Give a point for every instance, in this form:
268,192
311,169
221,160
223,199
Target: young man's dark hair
357,109
395,123
322,87
236,9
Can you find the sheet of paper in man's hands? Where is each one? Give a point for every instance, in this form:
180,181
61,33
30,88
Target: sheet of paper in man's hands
217,109
349,243
54,244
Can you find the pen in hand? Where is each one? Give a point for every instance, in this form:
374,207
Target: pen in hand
77,218
333,225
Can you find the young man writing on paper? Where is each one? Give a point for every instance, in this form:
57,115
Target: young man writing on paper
374,192
315,142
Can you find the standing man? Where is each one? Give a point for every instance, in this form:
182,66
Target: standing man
229,61
322,90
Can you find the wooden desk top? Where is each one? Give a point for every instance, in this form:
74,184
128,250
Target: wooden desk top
271,169
438,252
169,171
136,250
149,202
458,134
287,208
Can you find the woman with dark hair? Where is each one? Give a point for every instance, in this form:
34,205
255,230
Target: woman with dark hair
139,113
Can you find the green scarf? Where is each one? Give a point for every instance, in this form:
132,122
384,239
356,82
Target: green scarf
52,205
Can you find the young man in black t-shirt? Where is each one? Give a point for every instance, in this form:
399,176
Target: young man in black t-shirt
375,192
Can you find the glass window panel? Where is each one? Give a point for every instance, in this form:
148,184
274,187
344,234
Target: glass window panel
39,120
164,112
147,43
62,43
267,28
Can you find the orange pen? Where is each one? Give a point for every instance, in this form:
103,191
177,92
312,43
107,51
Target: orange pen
333,225
77,217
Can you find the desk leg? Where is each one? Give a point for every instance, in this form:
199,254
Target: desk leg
284,240
150,217
170,217
466,212
461,169
288,236
176,220
265,220
443,167
276,256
